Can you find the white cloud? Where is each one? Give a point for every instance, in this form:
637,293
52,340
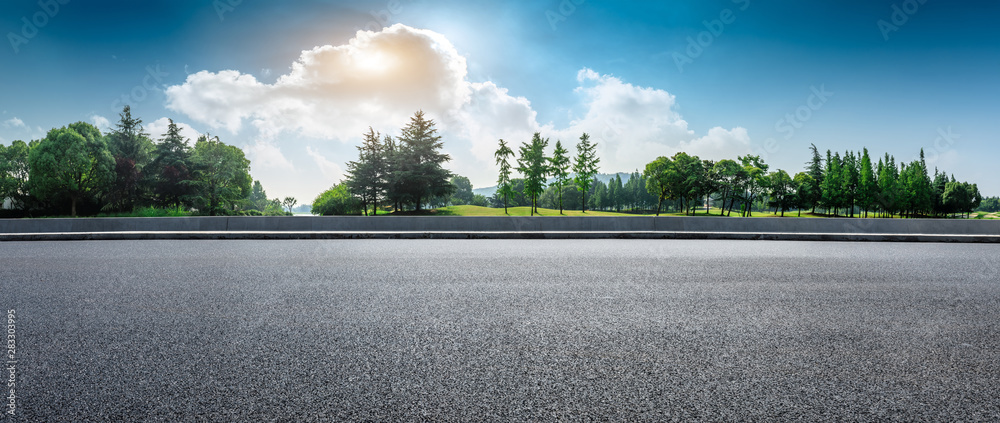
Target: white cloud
265,155
330,170
14,123
379,79
101,123
719,144
158,127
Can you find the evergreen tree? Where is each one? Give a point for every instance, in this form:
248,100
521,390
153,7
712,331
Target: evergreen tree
849,182
868,184
615,193
559,167
418,168
366,178
599,195
585,167
804,197
937,195
393,183
171,168
258,198
832,186
533,165
504,186
815,171
131,149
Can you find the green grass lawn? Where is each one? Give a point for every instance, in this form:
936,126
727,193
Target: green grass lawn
525,211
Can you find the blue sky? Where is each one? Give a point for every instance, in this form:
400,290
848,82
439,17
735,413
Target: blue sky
626,72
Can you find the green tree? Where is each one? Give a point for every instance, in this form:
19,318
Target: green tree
366,177
533,165
755,182
585,167
289,203
393,180
419,166
658,179
559,166
258,197
706,184
504,187
724,174
961,197
888,192
684,179
72,163
615,194
221,175
832,184
463,191
782,191
938,186
14,172
171,168
815,171
132,150
804,196
598,195
849,182
868,184
337,200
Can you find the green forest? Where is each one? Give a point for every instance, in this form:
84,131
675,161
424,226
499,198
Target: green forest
76,170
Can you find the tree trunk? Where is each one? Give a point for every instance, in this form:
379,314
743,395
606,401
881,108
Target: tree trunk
658,204
72,207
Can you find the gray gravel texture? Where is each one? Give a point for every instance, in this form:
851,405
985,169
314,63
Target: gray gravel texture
504,330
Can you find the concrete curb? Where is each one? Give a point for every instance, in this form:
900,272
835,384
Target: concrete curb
276,235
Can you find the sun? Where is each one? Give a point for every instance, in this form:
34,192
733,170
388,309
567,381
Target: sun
372,61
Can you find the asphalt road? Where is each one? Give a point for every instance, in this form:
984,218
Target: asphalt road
503,330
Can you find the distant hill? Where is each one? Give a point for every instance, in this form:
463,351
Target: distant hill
603,177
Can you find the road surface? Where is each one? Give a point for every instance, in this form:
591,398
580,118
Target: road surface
502,330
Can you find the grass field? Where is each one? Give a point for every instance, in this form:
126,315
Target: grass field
525,211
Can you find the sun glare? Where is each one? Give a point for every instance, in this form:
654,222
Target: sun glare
372,61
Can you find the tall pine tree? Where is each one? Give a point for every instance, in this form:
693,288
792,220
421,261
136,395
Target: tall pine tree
418,168
585,167
504,187
533,165
559,166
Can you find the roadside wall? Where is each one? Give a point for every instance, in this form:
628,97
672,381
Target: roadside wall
506,224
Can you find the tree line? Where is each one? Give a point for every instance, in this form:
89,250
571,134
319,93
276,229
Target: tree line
78,170
536,167
849,185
